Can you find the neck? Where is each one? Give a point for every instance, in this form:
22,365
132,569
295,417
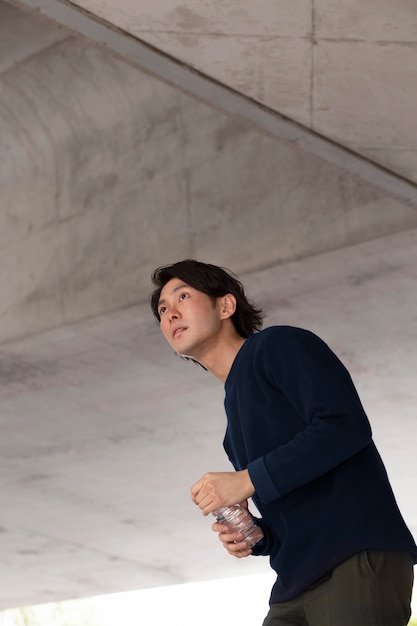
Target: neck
219,360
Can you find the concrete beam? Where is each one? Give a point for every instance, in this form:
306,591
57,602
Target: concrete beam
218,95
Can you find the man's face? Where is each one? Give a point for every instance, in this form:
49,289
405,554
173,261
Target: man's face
190,319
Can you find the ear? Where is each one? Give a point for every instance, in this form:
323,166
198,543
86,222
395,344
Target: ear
227,306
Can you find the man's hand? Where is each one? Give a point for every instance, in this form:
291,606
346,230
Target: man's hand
233,542
216,489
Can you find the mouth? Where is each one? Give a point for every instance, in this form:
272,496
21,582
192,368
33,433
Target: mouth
178,331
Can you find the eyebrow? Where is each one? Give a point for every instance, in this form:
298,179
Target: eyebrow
177,288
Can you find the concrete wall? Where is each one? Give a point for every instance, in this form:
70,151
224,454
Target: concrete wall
107,173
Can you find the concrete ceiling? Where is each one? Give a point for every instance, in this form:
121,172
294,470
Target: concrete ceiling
118,157
347,73
134,134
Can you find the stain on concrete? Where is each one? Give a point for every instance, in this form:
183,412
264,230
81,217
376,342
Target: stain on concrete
187,19
18,369
37,477
366,277
230,132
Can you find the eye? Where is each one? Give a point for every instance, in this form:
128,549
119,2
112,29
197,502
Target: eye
183,296
162,310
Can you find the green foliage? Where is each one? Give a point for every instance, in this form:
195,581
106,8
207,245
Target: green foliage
71,613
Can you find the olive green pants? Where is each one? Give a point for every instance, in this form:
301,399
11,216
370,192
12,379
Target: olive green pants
370,589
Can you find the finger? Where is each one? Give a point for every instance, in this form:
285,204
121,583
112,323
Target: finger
228,537
220,528
195,490
208,508
206,505
204,500
242,554
238,549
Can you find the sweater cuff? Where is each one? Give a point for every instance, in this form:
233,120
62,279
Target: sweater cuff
262,481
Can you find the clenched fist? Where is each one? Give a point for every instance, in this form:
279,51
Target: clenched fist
216,489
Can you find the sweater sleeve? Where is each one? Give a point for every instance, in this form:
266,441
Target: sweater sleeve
315,382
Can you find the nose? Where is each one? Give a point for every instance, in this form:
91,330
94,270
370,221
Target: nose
173,314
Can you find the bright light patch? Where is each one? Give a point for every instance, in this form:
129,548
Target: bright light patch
203,603
242,600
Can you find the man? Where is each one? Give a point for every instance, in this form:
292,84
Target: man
302,449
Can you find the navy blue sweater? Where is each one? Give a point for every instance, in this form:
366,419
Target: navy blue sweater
295,421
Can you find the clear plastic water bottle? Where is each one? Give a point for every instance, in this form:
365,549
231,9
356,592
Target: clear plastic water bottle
238,519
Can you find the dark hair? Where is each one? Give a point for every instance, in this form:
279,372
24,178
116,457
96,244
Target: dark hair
215,282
